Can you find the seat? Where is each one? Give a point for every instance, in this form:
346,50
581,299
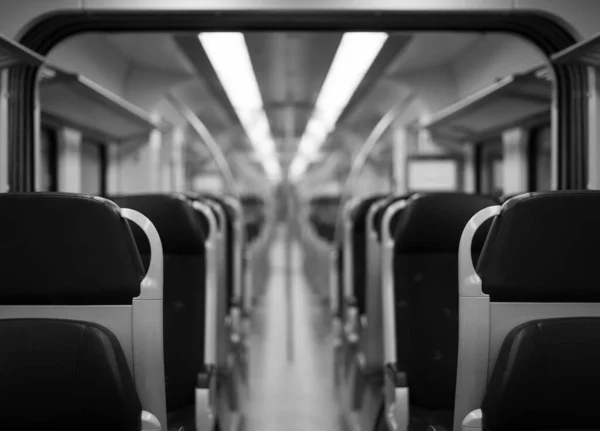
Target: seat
58,374
356,223
544,377
506,197
187,234
254,216
323,210
426,237
231,371
72,276
537,267
362,393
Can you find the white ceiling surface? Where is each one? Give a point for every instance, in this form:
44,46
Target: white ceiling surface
431,49
155,51
160,53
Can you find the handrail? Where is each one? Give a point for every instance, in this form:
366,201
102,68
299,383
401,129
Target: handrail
361,159
213,147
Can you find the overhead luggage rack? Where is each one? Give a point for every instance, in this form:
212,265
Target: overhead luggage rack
586,52
13,53
76,100
516,99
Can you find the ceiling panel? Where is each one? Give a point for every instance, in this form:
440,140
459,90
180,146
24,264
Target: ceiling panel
290,68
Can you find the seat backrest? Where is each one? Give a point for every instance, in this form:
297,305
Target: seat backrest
373,341
323,216
184,232
221,255
233,239
357,224
64,374
254,216
537,263
545,377
67,256
506,197
425,277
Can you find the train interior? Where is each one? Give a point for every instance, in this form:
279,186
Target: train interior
299,230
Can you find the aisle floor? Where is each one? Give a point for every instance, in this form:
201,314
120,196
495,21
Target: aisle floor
291,393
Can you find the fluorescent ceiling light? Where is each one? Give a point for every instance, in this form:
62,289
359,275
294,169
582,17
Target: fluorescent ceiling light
352,60
229,57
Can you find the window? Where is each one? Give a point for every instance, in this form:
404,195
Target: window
93,163
48,159
489,162
540,159
432,174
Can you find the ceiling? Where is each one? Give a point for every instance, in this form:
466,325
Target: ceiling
290,68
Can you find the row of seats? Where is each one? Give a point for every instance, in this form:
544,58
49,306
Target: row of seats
425,340
122,313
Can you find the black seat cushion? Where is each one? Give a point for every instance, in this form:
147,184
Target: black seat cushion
427,234
358,217
182,230
546,377
378,216
253,215
60,248
64,375
541,249
231,237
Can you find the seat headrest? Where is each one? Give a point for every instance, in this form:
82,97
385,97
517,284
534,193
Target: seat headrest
541,248
64,375
378,216
60,248
359,212
434,222
508,196
252,201
182,229
325,200
545,377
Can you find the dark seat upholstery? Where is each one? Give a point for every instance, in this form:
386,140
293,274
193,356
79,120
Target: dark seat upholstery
539,256
379,214
358,218
231,238
183,231
508,196
78,252
340,279
253,215
64,375
427,234
546,377
521,260
322,216
75,230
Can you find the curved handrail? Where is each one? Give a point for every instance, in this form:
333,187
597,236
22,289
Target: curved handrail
363,154
213,147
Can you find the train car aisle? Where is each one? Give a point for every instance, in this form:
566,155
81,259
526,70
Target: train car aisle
296,394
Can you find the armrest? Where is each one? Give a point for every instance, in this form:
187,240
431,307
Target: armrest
395,377
204,400
473,421
203,380
149,422
396,398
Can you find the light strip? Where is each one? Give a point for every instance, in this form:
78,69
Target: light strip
229,57
352,60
